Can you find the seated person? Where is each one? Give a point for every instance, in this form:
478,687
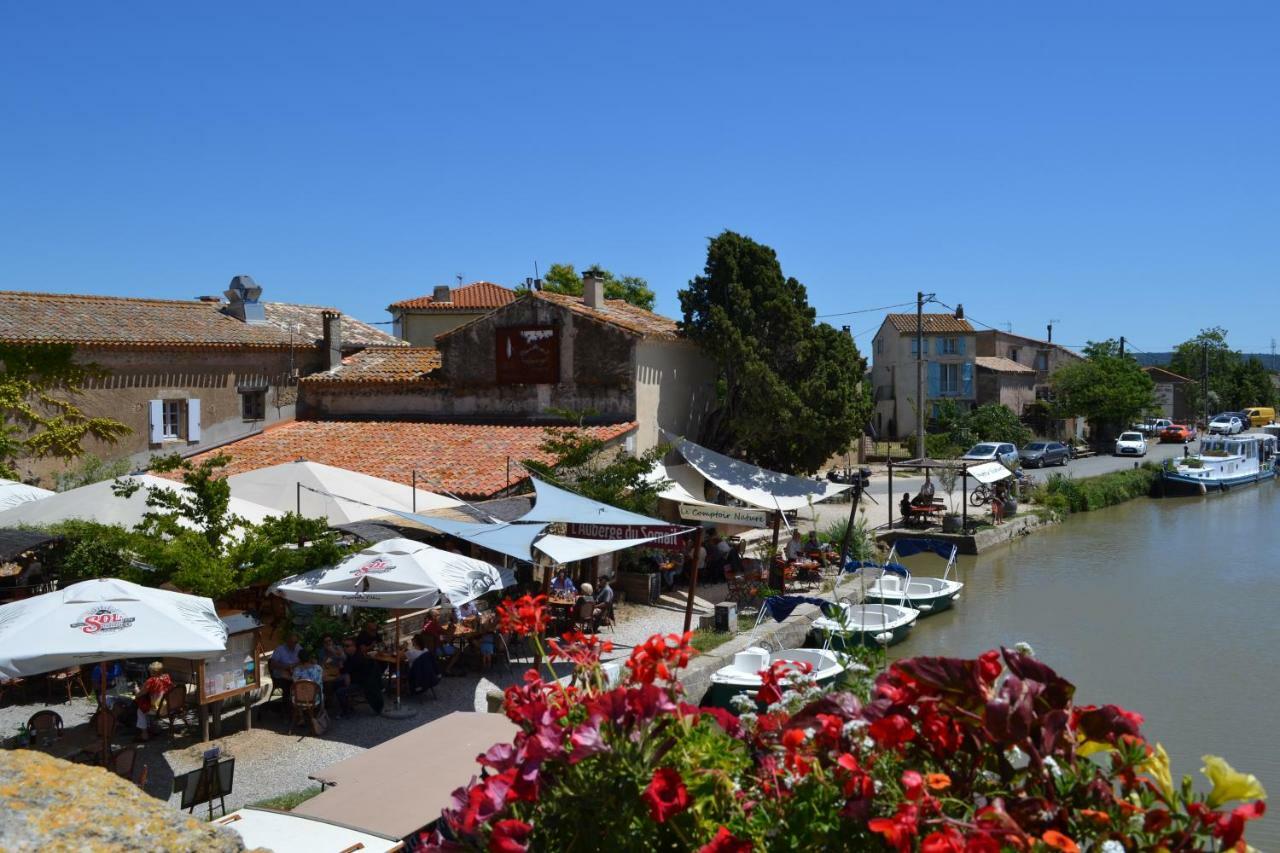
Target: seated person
369,635
331,654
309,670
605,595
563,585
795,545
281,664
115,672
669,575
487,643
467,611
423,673
904,505
149,697
359,677
812,545
925,496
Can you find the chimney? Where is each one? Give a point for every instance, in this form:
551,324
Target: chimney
242,297
332,338
442,294
959,311
592,289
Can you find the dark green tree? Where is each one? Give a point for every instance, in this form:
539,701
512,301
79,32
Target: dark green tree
1252,384
1234,381
1108,389
790,390
38,414
563,278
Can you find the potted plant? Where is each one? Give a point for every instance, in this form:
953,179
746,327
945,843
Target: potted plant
947,479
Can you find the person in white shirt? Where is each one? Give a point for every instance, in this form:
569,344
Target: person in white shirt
795,545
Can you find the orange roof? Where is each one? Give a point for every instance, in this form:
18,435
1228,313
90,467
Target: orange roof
381,365
477,296
467,459
934,324
619,313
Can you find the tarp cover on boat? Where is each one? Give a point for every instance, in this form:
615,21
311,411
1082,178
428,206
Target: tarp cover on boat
893,568
911,547
989,472
554,504
754,485
782,606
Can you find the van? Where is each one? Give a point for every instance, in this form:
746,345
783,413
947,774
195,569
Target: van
1259,416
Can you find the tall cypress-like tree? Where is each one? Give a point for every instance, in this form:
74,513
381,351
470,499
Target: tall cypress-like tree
790,390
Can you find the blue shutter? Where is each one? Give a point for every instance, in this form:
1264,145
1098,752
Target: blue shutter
935,379
960,345
966,379
937,346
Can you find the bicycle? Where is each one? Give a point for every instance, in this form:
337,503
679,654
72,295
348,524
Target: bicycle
981,495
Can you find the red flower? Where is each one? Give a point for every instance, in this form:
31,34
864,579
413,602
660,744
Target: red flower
510,836
666,795
989,666
892,731
526,615
725,842
980,842
1230,827
912,784
897,830
657,656
580,649
947,840
1058,841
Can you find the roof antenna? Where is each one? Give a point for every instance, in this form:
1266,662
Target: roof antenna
537,277
459,278
1008,327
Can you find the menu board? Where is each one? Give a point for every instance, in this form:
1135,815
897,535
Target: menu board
232,672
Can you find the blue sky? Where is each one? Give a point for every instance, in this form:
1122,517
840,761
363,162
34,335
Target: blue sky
1110,166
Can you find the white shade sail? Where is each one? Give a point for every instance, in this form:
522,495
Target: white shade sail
13,493
101,620
684,484
566,549
97,502
396,573
756,486
348,496
554,504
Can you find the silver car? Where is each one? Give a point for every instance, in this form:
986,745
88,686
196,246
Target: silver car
994,451
1226,425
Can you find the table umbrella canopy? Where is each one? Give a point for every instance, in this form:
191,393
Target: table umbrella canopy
396,573
105,619
13,493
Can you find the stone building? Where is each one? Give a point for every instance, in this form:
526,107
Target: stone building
1043,357
1004,381
948,372
419,321
183,375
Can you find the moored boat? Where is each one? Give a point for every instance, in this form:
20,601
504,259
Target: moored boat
893,583
1222,462
863,624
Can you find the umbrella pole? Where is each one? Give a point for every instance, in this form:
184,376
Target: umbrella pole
398,713
103,668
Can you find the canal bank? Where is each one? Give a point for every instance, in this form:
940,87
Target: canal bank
1163,606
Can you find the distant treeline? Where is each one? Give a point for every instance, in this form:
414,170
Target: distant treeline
1162,359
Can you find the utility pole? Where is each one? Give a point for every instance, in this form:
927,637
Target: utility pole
1051,322
1122,346
920,401
1273,355
1204,379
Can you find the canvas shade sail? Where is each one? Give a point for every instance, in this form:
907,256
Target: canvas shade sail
554,504
756,486
334,494
102,620
399,574
98,502
567,549
13,493
989,472
684,484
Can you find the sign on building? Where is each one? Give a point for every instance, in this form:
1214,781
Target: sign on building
725,515
620,531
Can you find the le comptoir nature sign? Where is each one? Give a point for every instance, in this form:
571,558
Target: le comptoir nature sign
725,515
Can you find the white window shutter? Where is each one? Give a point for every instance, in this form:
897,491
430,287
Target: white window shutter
157,421
193,420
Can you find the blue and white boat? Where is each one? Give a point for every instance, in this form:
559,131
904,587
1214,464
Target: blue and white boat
1223,461
929,595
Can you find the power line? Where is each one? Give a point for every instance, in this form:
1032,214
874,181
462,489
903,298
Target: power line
865,310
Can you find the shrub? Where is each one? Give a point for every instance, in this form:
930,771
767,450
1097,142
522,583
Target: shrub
939,754
1068,494
941,446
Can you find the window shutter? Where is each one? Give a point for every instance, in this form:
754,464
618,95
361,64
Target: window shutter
938,346
960,345
157,421
935,379
193,420
966,378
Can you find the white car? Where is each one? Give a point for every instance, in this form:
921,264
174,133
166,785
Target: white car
1226,425
1131,444
994,451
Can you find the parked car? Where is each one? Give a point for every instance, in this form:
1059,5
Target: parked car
1038,454
994,451
1131,444
1153,426
1228,423
1178,434
1260,416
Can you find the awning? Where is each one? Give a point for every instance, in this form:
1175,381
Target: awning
566,549
439,756
989,472
754,485
13,493
684,484
288,832
553,504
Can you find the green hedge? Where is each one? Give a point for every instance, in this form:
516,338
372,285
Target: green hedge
1067,494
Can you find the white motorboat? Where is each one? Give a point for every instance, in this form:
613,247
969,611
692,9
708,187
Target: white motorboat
864,624
893,583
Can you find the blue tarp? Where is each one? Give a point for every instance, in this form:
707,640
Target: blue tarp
782,606
911,547
895,568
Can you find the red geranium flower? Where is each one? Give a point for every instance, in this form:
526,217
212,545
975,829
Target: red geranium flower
1058,841
980,842
897,830
657,656
510,836
912,784
666,795
725,842
891,731
526,615
947,840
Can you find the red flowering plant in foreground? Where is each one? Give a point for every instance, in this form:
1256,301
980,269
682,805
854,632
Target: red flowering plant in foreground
937,755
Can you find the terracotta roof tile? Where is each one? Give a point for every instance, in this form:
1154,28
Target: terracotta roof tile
934,324
467,459
125,321
477,296
381,365
1000,364
619,313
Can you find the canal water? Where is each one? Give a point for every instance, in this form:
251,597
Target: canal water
1168,607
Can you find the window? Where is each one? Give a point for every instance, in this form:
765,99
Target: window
1013,353
1042,361
915,346
528,355
174,417
253,404
880,346
949,378
950,346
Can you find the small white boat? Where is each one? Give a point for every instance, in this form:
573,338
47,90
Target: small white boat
864,624
1222,462
893,583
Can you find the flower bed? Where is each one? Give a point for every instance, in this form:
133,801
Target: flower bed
937,755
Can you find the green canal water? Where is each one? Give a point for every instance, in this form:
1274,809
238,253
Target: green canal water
1169,607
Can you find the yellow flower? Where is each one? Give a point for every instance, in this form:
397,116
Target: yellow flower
1091,747
1157,767
1229,783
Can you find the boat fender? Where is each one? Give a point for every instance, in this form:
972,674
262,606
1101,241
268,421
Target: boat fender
883,637
925,607
1203,490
